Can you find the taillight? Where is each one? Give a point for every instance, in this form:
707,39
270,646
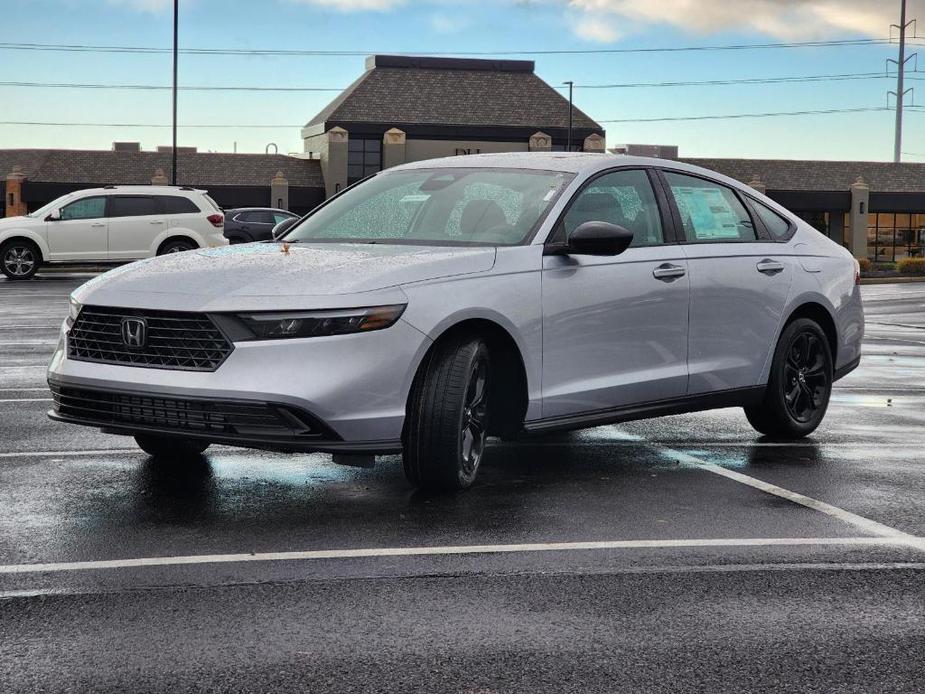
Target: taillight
218,220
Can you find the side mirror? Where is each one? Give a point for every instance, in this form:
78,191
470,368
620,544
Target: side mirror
599,238
53,216
283,227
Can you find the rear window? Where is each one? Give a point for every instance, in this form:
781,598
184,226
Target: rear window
132,206
174,204
776,225
212,202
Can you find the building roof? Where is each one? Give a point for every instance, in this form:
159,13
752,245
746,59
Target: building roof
196,169
796,174
406,90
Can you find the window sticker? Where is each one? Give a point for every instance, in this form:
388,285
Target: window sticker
709,212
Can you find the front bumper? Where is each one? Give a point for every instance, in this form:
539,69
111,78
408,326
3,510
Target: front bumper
349,392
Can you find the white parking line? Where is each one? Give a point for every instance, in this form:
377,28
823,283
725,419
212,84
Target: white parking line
2,400
865,524
67,454
442,551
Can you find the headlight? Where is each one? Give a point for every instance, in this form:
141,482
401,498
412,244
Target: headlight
275,326
73,309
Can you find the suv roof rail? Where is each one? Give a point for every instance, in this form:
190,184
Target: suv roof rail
187,188
109,187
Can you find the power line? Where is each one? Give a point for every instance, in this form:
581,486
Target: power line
92,48
796,79
611,120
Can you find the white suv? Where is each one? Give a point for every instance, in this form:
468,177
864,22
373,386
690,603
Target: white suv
111,224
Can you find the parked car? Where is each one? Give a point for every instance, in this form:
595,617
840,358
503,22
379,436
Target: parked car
115,223
247,224
443,301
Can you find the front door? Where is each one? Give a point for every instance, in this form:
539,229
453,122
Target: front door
615,328
135,221
81,231
739,285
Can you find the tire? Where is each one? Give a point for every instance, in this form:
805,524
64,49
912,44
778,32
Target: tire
176,246
799,385
20,259
170,446
448,409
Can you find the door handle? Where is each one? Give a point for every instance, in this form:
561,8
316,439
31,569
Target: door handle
156,221
769,267
97,225
668,272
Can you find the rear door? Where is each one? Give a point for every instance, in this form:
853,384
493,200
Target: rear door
135,221
615,327
258,224
81,232
739,282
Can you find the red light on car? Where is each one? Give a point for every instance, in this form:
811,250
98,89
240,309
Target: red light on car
218,220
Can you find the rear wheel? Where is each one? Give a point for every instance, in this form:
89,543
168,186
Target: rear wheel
447,415
19,259
170,446
799,385
176,246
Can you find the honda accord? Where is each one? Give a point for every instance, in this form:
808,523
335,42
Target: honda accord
441,302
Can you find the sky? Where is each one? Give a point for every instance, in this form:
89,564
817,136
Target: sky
496,27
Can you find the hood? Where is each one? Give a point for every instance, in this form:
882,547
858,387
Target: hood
247,276
16,221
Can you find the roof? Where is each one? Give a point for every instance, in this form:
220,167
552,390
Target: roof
797,174
407,90
103,167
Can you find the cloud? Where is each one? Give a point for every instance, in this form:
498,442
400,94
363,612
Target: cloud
353,5
443,23
782,19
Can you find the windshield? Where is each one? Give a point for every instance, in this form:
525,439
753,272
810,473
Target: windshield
53,205
459,207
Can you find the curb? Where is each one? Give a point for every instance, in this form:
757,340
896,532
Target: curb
892,280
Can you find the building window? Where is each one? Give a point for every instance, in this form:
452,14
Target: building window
892,236
364,157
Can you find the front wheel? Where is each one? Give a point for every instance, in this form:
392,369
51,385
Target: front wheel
19,260
448,411
170,446
799,385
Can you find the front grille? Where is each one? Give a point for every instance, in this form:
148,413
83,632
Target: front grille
188,415
173,340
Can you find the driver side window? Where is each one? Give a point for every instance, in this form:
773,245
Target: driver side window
624,198
86,208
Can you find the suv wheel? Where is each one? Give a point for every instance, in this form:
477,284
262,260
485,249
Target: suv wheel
447,415
19,259
170,446
799,385
177,246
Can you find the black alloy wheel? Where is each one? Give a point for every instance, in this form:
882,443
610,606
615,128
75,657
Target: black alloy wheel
799,385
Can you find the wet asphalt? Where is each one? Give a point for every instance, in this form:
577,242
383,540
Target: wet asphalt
724,563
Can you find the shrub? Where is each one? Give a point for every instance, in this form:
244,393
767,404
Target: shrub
911,266
865,264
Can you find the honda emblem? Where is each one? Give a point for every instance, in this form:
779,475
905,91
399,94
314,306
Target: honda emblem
134,332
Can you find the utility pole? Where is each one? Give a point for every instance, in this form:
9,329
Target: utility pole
176,24
901,91
571,85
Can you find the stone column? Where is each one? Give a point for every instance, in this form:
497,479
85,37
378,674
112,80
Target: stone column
540,142
757,184
393,148
15,207
594,143
860,204
159,178
334,161
279,191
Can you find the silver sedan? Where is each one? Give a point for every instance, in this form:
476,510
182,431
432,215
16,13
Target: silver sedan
441,302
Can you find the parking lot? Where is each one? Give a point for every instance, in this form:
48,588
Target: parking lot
679,554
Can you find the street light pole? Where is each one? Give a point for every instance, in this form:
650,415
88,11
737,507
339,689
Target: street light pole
570,84
176,23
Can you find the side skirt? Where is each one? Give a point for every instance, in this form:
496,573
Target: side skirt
738,397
